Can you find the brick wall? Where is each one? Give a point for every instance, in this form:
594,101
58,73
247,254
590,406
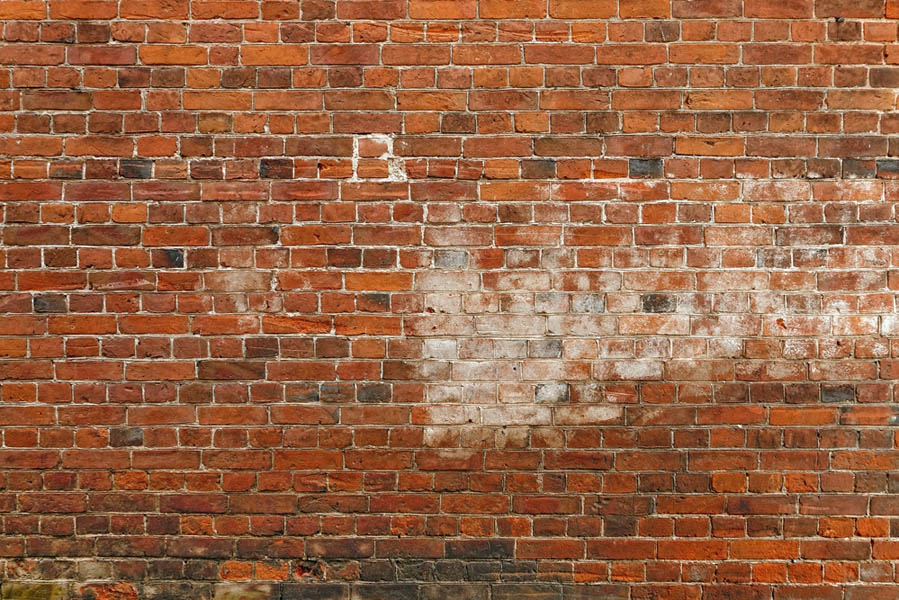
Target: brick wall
426,299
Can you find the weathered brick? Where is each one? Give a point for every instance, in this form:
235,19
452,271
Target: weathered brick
426,298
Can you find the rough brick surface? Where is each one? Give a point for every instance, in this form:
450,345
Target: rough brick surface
426,299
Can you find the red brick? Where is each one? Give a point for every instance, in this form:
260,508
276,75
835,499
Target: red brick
280,54
82,9
173,55
513,9
148,9
571,292
644,9
704,53
443,9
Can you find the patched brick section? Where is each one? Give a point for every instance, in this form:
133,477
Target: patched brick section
424,299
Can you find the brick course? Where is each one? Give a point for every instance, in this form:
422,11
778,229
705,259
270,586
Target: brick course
424,299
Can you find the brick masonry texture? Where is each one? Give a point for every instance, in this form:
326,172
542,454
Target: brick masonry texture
470,299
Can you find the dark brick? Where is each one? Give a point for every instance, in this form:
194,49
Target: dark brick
608,591
239,78
619,526
415,570
384,591
492,548
203,570
50,303
484,570
659,303
888,168
106,235
459,123
466,591
538,169
884,77
136,169
174,258
274,78
835,394
450,570
519,570
168,77
129,436
823,168
344,257
93,33
374,392
316,10
645,168
374,301
188,547
603,122
377,570
314,591
176,590
861,169
527,591
276,168
737,592
844,31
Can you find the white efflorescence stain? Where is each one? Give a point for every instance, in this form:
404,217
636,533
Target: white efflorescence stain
396,167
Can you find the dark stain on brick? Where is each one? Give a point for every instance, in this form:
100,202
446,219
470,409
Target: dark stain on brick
126,436
538,169
175,257
374,392
175,590
858,169
337,392
488,548
527,591
136,169
275,168
888,168
313,591
50,303
304,394
645,168
659,303
837,394
385,591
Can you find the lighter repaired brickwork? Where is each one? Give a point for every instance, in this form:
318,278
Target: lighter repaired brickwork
449,299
